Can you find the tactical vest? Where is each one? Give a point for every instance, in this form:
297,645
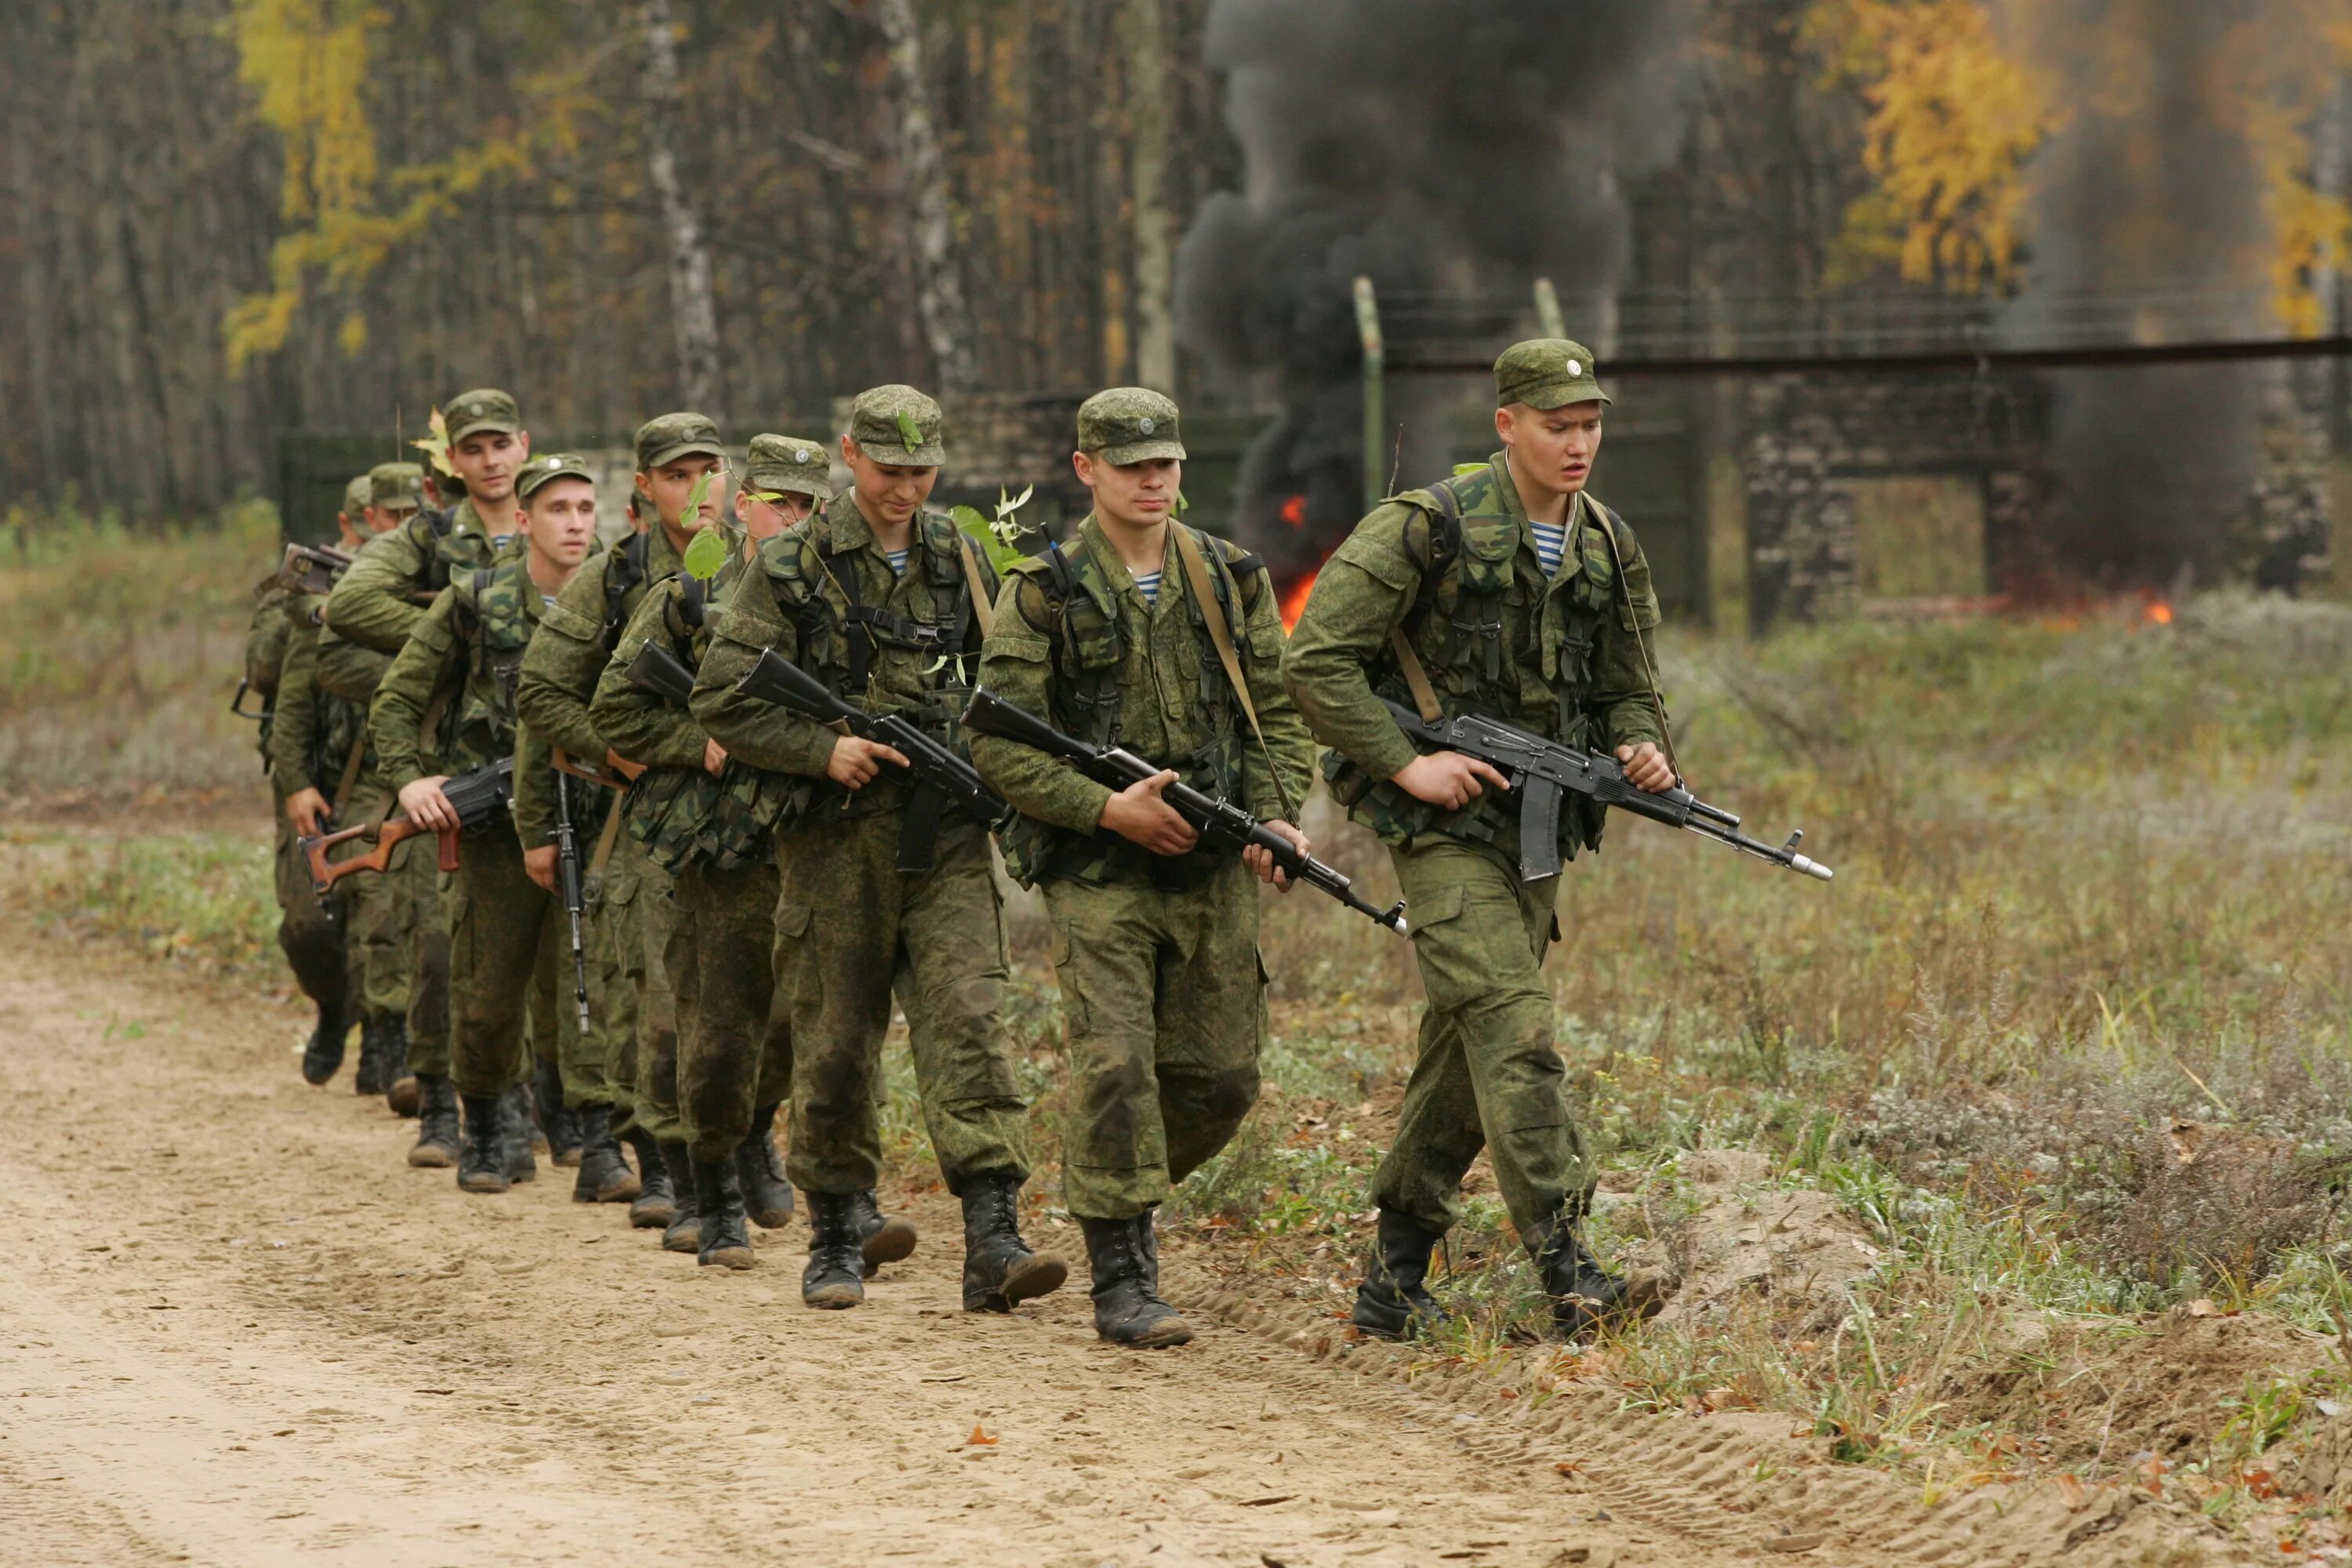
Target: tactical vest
1087,653
1457,627
495,623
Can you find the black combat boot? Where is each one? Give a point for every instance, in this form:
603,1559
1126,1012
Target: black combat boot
437,1124
400,1091
1125,1258
563,1126
481,1162
324,1054
516,1156
725,1234
835,1275
999,1269
1393,1303
657,1201
880,1239
376,1063
767,1195
684,1232
604,1175
1584,1296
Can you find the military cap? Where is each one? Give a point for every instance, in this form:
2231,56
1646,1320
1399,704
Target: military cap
356,494
1129,425
898,426
789,465
1546,372
396,486
483,408
556,466
670,436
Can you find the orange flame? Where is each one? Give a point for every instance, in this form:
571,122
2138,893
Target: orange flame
2158,613
1294,512
1295,601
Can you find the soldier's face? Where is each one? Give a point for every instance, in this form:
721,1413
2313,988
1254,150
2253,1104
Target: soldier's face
487,460
1137,494
385,519
1554,448
670,486
766,519
891,493
561,522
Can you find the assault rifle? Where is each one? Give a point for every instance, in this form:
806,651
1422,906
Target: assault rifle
311,568
935,775
663,673
1218,822
1541,771
478,797
567,885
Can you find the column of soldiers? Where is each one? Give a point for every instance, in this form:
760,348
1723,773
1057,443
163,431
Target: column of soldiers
764,890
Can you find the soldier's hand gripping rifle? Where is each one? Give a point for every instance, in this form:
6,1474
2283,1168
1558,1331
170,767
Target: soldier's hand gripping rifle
1541,771
479,797
1219,822
567,885
936,777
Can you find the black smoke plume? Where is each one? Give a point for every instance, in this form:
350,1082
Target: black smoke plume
1461,147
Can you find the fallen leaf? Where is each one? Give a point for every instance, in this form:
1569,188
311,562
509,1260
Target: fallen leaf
2071,1488
1569,1468
981,1437
1792,1543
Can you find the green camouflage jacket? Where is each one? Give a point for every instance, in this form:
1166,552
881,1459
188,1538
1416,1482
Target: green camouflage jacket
467,650
564,662
371,605
678,810
1075,643
907,643
1558,657
315,730
265,654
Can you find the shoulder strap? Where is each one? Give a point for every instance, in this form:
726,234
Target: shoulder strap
1444,545
983,609
626,570
693,601
861,640
1213,612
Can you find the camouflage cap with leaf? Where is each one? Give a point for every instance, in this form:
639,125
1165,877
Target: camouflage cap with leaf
898,426
435,444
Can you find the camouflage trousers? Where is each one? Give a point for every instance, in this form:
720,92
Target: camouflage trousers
1165,995
851,932
506,939
319,938
1488,1076
640,1016
404,957
734,1030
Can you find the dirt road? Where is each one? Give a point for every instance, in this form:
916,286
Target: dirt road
236,1328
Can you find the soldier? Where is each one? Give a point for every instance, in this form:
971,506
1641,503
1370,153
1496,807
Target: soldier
395,916
306,933
318,754
885,602
1508,591
559,672
502,928
709,822
1137,632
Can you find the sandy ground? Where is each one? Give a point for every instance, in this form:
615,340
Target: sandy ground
236,1328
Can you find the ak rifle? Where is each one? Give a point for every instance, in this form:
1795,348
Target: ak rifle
1540,772
1218,822
479,797
569,887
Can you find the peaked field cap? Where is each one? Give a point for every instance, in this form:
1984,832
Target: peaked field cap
1546,372
357,495
670,436
1129,425
557,465
395,487
483,408
898,426
788,465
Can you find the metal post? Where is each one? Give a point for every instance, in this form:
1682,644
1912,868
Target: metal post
1368,323
1547,316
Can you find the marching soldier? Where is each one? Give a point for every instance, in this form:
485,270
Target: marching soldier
884,601
1506,591
1149,633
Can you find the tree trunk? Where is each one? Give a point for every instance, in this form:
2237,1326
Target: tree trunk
694,306
938,285
1149,92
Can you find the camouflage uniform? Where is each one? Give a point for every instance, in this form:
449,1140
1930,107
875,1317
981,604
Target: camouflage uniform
1555,656
1157,961
850,926
715,836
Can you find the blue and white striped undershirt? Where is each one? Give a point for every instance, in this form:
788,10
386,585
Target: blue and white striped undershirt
1149,583
898,559
1551,542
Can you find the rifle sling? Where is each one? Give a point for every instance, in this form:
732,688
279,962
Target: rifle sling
351,776
983,610
1205,593
1416,678
607,840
